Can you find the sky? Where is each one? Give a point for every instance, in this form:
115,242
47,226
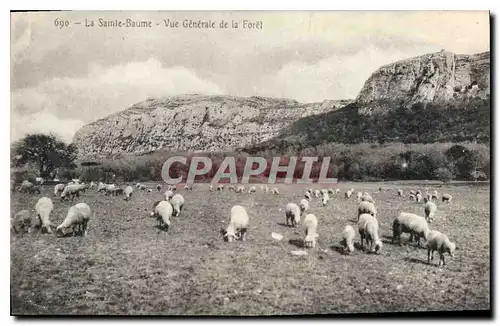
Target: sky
64,78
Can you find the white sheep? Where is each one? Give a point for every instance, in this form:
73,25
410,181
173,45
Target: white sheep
412,192
434,195
238,224
368,198
59,188
43,208
231,187
110,189
92,184
311,225
418,197
72,191
275,191
304,205
430,211
324,191
325,199
163,212
437,241
348,194
138,185
337,190
158,187
446,198
292,213
177,202
418,192
412,197
128,192
368,230
252,189
359,195
21,221
331,191
348,239
102,187
366,207
308,195
220,187
78,217
317,193
266,189
413,224
210,187
240,189
172,187
169,194
400,192
27,186
143,187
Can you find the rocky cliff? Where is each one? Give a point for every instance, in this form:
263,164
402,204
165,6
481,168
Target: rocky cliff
435,77
193,123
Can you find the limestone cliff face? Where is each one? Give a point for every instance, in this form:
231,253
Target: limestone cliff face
436,77
192,123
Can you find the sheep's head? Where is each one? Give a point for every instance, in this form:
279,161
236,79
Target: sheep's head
378,246
451,249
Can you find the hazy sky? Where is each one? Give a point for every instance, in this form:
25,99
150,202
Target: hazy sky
64,78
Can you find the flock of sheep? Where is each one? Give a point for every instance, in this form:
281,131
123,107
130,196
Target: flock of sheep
417,226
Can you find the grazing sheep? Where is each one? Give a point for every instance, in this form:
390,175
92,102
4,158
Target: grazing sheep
59,188
292,213
430,211
324,191
325,199
348,194
78,217
418,197
311,225
317,193
418,192
359,195
102,187
43,208
71,191
158,187
231,187
172,187
412,192
410,223
400,192
348,239
365,207
412,197
308,195
446,198
437,241
211,187
138,185
275,191
128,193
220,187
163,212
240,189
238,225
29,187
434,195
252,190
331,191
310,191
92,184
337,190
304,205
143,187
21,221
110,189
169,194
177,202
368,229
368,198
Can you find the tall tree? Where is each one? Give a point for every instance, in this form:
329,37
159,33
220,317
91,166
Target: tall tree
45,152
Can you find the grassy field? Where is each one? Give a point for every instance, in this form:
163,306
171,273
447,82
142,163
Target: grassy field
125,266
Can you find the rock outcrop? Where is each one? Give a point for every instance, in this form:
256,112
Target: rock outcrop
436,77
192,123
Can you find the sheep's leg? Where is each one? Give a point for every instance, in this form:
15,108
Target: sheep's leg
243,235
84,226
429,256
441,258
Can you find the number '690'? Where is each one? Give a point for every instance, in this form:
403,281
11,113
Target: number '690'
61,23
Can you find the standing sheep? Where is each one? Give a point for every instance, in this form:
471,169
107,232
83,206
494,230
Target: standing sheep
331,191
365,207
177,202
304,205
359,195
446,198
308,195
437,241
43,208
368,229
368,198
78,217
275,191
71,191
238,225
163,212
434,195
317,193
311,225
348,239
211,187
169,194
292,214
220,187
158,187
325,199
240,189
418,198
348,194
29,187
128,193
400,192
252,190
413,224
337,190
430,211
59,188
